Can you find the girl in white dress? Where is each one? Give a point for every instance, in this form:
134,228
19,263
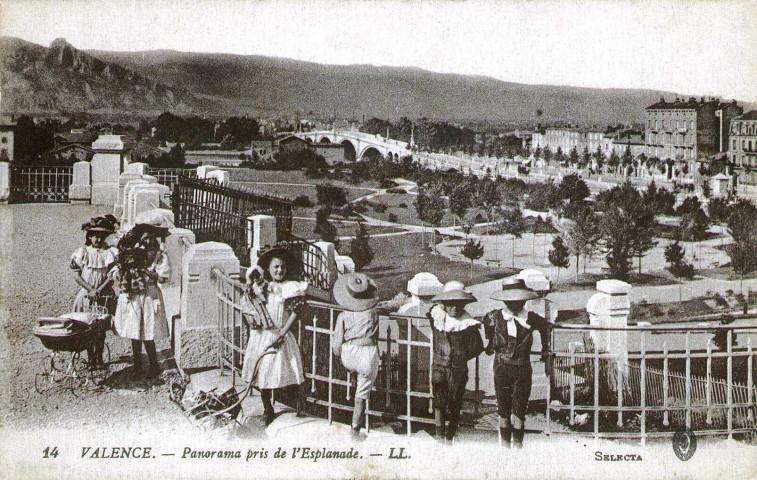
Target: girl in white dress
140,313
90,267
284,300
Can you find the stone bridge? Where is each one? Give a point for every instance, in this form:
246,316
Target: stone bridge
359,145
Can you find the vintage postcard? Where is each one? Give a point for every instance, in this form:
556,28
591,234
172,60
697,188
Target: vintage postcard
388,239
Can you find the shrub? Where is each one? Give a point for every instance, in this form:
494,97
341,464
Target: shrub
302,201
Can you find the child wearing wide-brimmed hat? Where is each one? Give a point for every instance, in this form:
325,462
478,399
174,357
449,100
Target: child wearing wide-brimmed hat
355,336
90,267
140,312
456,340
510,335
282,297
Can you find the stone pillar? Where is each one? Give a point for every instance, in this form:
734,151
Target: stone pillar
202,171
609,307
5,182
137,167
195,335
107,166
123,179
161,217
80,190
221,175
422,288
261,231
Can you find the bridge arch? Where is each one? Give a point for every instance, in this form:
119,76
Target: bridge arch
370,151
350,155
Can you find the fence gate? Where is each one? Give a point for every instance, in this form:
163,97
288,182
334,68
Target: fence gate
38,184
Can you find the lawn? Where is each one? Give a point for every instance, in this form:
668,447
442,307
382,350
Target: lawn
401,205
397,259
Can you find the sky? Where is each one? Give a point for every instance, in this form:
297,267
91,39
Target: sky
692,47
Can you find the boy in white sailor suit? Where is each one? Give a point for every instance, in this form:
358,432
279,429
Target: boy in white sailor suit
509,332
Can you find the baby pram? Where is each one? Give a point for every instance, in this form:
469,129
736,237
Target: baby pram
67,336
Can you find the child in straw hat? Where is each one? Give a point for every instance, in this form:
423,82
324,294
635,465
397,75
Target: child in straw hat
456,340
355,335
510,334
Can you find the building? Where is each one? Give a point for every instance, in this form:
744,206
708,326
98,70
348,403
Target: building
7,130
688,129
742,147
568,138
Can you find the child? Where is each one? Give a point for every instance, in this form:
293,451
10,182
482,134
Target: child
140,314
90,266
355,335
456,340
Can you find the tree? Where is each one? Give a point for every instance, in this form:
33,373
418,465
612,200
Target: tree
360,248
323,227
460,200
573,188
677,266
581,235
488,197
742,225
472,250
559,255
430,208
332,195
617,233
513,224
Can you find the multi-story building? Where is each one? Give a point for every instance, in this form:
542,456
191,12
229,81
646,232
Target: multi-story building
567,138
7,128
742,147
688,129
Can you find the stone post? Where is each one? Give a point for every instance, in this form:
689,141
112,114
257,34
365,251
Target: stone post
203,170
221,175
107,166
261,231
330,251
609,307
422,288
123,179
80,190
5,182
136,167
196,334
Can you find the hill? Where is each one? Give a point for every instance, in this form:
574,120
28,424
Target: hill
63,79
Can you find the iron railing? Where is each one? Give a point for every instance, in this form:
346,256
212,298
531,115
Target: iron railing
656,391
665,382
40,184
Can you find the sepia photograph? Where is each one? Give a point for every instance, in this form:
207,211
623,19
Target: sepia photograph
453,239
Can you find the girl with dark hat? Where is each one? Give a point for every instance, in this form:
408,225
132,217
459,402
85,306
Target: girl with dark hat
355,337
456,340
140,313
510,335
90,266
284,300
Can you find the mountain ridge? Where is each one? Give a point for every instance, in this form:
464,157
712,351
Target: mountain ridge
62,78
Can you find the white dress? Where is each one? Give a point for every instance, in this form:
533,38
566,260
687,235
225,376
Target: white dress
142,316
94,265
284,367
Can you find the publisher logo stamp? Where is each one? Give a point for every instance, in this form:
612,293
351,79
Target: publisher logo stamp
684,444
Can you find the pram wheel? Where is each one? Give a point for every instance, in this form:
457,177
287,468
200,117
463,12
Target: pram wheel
44,379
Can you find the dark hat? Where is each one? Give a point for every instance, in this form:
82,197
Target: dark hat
284,252
355,292
105,224
454,292
514,290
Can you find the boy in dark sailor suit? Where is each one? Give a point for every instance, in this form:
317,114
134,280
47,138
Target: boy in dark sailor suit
509,332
